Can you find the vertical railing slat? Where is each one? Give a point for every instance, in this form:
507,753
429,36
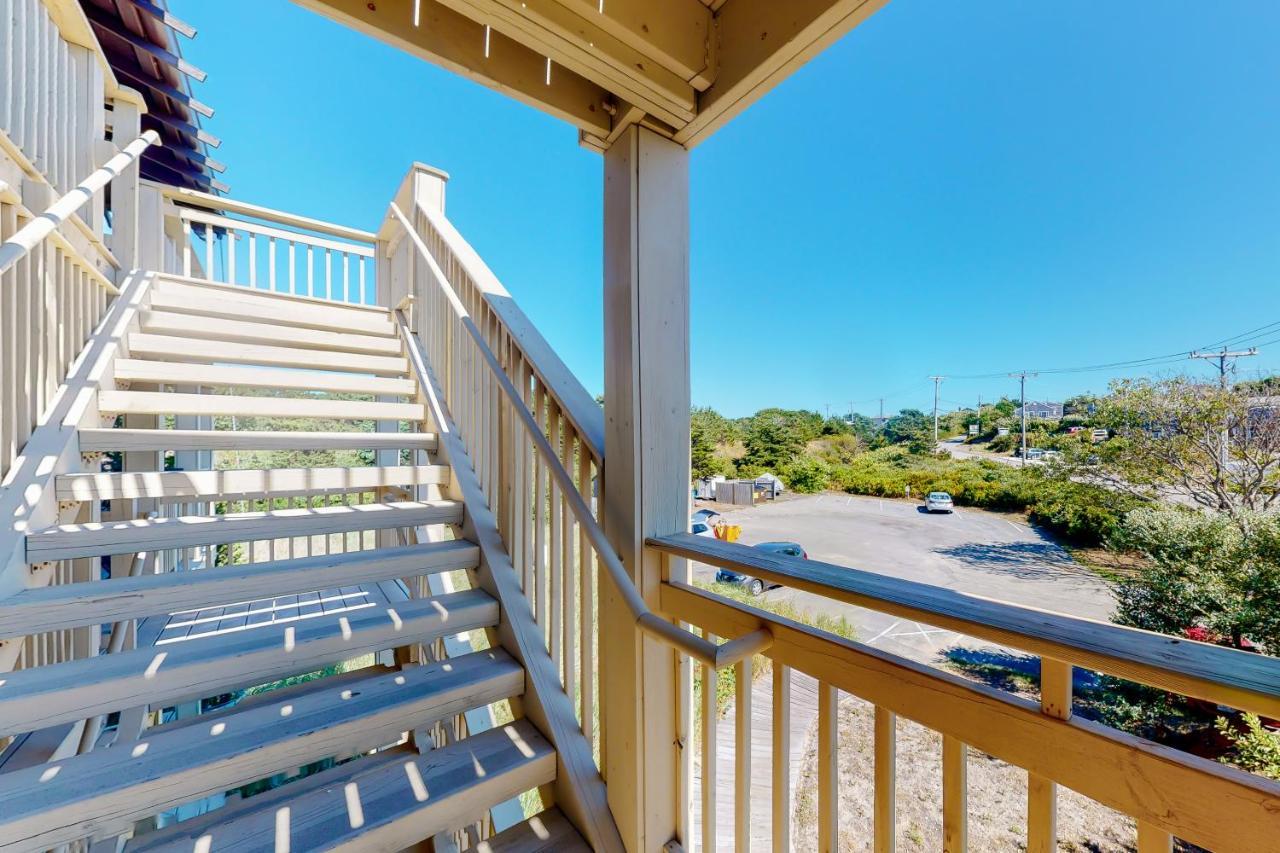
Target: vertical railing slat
781,758
828,769
955,795
885,798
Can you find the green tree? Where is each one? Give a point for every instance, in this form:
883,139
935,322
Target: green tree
774,437
1210,571
906,425
807,474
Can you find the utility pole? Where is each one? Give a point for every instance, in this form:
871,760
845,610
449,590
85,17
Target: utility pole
828,411
979,410
1022,396
937,383
851,411
882,411
1222,357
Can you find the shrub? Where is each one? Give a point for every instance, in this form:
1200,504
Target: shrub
1256,749
807,474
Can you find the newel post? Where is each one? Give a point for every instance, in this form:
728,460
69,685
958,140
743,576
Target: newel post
646,484
126,126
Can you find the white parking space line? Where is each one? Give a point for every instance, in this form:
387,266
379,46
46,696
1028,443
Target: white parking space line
885,631
1014,526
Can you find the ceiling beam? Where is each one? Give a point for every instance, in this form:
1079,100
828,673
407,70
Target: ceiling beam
761,43
580,44
141,77
165,17
180,126
454,41
677,34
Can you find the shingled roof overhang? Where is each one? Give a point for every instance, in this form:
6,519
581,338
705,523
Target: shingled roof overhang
140,39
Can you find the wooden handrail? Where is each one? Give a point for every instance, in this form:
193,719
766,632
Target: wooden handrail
1237,679
35,231
704,651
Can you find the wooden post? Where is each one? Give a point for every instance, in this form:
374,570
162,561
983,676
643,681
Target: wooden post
646,483
126,127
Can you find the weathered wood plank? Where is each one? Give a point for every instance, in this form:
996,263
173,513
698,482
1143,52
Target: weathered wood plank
218,662
221,375
104,790
197,439
179,348
543,833
278,482
127,537
161,403
35,611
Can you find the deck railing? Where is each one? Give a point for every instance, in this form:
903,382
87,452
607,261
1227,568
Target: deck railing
233,242
538,469
1170,794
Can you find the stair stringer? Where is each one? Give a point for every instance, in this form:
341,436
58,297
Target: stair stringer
579,790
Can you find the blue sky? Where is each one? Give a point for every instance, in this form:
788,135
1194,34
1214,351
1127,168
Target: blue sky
955,188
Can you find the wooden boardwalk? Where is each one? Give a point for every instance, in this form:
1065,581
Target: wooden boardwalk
804,711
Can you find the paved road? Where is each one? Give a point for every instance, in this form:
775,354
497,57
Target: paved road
981,553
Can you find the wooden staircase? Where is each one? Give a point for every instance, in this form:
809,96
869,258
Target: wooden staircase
349,575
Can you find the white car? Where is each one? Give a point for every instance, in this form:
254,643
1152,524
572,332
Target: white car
939,502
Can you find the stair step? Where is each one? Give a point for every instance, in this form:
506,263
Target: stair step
94,440
543,833
390,805
34,611
69,541
104,791
220,662
245,304
248,332
195,350
176,373
277,482
161,403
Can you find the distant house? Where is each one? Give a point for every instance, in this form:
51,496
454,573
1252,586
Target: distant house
1037,411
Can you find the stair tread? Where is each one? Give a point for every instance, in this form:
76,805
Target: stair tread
246,331
545,832
253,376
178,348
68,541
216,663
166,403
390,805
241,303
37,610
198,439
278,482
105,790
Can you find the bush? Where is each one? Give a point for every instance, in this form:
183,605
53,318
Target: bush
1256,749
807,474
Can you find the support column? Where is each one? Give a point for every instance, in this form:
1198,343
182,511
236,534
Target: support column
646,483
126,126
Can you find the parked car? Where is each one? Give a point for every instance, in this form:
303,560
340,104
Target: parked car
757,586
939,502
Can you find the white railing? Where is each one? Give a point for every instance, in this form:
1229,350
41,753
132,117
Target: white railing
51,90
232,242
51,298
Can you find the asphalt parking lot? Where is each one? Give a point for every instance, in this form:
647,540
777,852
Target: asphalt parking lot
993,555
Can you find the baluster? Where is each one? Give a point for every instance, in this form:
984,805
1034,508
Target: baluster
253,259
781,758
293,266
1042,794
367,297
586,574
828,769
186,248
346,278
208,252
568,586
1153,839
231,255
271,264
955,795
710,725
885,800
328,274
557,563
742,754
311,272
540,519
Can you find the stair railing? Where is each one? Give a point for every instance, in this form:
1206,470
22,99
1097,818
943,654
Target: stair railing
553,462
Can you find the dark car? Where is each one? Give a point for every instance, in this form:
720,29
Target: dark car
757,586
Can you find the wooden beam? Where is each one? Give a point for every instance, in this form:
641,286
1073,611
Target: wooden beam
165,17
233,375
160,121
251,332
161,403
240,483
677,34
141,78
762,42
207,439
579,44
180,348
457,43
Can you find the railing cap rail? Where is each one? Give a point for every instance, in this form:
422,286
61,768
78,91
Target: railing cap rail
195,198
1238,679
